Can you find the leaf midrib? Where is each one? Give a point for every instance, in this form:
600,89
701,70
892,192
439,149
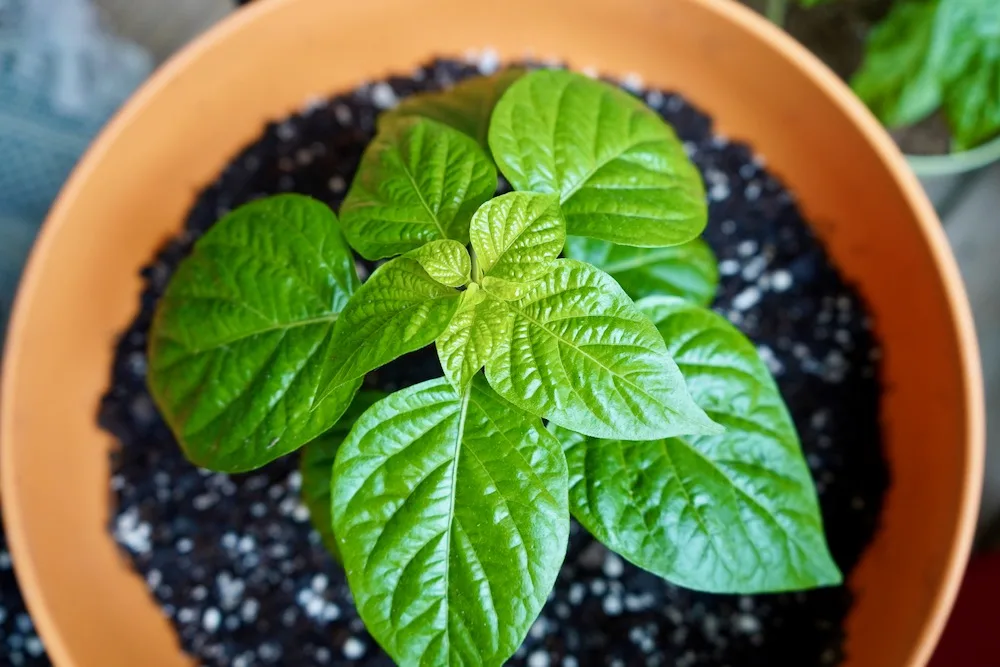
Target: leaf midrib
579,185
459,436
420,197
624,265
572,345
276,326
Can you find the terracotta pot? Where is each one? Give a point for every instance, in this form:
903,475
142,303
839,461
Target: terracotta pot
133,189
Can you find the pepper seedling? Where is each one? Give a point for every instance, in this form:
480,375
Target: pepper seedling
449,502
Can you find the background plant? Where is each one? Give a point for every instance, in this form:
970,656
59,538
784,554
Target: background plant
928,56
449,501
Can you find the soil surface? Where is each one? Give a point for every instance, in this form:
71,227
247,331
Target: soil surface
234,564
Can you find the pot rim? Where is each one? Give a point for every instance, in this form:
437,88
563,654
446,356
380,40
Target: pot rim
724,10
953,164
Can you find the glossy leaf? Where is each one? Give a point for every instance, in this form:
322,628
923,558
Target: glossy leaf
445,261
578,353
452,518
466,106
620,172
515,237
241,333
688,271
316,467
418,181
399,309
731,513
472,336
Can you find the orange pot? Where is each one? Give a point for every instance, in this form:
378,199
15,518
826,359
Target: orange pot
132,191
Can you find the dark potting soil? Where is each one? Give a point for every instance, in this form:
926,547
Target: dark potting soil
233,563
19,642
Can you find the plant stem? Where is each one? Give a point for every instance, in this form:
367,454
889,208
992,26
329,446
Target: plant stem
775,11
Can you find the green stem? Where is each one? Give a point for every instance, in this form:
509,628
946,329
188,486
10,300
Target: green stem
775,11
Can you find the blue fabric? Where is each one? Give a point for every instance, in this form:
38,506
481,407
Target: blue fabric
61,77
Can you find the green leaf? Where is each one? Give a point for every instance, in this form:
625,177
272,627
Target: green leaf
237,344
972,104
418,181
466,106
579,353
445,261
452,518
515,237
316,466
688,271
728,513
925,54
620,172
399,309
972,92
472,336
900,77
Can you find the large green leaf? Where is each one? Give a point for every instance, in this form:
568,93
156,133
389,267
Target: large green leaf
688,271
734,512
418,181
451,514
445,261
579,353
240,336
515,237
399,309
467,106
472,336
316,467
620,172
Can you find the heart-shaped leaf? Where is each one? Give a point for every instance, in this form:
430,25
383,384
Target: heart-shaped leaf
451,515
316,467
445,261
399,309
466,106
472,336
728,513
237,344
418,181
515,237
688,271
620,172
578,353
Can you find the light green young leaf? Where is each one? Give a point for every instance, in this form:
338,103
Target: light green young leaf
472,336
467,106
688,271
418,181
515,237
445,261
316,467
620,172
399,309
451,515
728,513
579,353
239,337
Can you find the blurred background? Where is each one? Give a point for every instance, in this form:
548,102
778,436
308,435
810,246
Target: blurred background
67,65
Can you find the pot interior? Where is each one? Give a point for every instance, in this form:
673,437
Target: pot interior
135,186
